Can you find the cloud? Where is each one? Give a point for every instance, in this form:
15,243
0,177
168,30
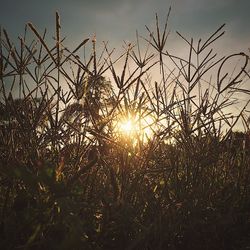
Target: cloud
117,20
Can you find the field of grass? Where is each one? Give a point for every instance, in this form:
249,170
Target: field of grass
96,154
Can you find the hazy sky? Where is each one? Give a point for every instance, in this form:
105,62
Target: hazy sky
116,20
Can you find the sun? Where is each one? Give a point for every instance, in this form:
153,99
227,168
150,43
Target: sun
127,126
136,127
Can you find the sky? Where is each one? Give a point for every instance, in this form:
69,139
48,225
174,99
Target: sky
115,20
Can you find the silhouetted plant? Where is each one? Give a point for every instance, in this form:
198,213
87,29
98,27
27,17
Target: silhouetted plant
70,179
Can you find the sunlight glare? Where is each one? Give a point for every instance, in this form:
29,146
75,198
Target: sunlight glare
127,126
135,128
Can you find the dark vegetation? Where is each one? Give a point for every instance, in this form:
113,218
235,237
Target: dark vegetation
70,180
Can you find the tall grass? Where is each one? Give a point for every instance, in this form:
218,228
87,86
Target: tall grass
70,180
